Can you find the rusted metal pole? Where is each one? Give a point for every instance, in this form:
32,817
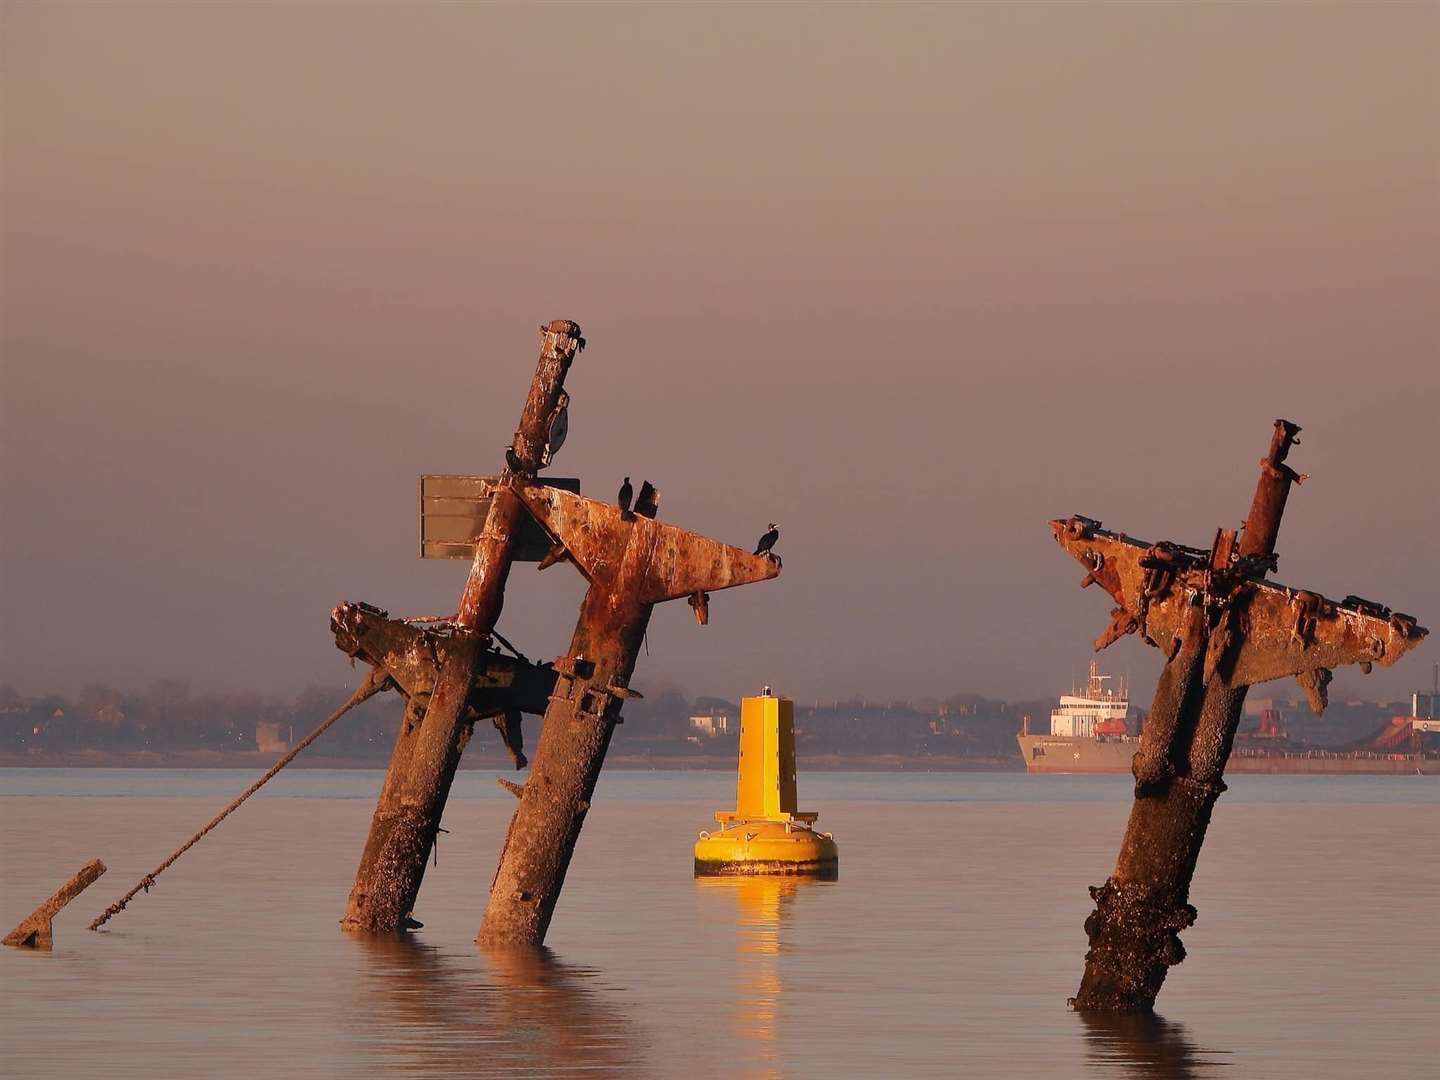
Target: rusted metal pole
35,932
573,742
1223,628
1134,930
434,732
1262,525
632,564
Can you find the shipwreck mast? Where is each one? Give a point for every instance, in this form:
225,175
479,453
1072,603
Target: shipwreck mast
1222,628
451,676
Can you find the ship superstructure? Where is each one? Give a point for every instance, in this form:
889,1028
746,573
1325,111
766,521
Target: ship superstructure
1097,711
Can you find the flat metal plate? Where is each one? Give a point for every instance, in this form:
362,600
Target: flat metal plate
452,514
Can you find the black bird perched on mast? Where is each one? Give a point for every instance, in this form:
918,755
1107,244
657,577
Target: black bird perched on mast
768,540
626,493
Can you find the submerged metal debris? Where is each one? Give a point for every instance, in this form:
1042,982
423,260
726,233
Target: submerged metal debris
1222,627
437,672
35,931
632,564
453,674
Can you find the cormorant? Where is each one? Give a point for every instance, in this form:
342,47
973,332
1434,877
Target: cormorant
768,540
626,492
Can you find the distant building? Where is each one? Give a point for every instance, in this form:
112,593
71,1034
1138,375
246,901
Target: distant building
712,724
41,725
269,738
1257,705
109,714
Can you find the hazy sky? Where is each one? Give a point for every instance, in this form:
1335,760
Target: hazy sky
908,280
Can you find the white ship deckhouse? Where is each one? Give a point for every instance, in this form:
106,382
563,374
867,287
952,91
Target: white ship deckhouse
1098,710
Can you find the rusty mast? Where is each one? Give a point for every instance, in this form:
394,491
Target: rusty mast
632,563
1222,628
451,674
436,672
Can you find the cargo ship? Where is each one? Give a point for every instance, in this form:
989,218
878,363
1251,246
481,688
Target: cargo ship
1095,731
1092,731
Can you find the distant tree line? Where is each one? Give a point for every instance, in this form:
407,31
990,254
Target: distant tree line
965,725
169,717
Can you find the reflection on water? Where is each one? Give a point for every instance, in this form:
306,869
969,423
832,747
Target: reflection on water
521,1013
762,908
1144,1046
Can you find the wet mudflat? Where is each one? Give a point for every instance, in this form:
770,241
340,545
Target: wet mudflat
947,947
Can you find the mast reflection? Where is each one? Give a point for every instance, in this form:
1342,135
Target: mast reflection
1143,1046
514,1012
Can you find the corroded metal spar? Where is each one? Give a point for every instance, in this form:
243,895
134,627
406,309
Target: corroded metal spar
1223,628
438,722
632,564
450,676
35,931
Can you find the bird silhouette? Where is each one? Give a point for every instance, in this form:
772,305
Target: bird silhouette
768,540
626,492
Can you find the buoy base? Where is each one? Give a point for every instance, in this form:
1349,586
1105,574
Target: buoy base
769,848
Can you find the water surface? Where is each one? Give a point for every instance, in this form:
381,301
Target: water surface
947,947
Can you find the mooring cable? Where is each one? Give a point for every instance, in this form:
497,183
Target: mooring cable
371,686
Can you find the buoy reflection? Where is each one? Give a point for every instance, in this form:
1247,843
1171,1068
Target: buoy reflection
763,915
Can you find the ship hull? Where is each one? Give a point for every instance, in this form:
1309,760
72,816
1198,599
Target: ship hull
1076,754
1070,754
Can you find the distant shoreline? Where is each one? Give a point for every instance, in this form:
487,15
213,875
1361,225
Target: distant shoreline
213,759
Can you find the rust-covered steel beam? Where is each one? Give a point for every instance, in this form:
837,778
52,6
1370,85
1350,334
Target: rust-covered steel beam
1222,628
35,931
427,752
409,658
632,563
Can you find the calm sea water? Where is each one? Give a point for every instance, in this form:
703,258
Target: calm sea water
947,947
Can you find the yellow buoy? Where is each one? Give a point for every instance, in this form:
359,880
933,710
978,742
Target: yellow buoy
765,834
